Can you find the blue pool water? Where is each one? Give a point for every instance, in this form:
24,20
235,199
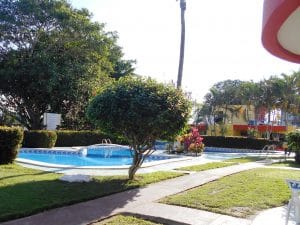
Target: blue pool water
93,156
104,155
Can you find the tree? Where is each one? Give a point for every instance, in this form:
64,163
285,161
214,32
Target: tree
289,99
142,111
222,98
121,68
53,58
248,91
182,41
269,94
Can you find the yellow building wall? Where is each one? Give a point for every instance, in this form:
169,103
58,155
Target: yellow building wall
241,114
228,128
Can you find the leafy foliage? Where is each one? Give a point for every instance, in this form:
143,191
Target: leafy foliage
140,110
39,139
53,58
281,92
293,139
84,138
192,141
10,142
137,108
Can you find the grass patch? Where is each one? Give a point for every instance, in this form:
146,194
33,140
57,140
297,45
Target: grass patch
125,220
288,163
215,165
207,166
26,191
240,195
245,159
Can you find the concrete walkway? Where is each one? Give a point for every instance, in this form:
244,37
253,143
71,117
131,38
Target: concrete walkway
142,201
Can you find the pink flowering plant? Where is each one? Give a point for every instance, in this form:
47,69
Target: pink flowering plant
192,142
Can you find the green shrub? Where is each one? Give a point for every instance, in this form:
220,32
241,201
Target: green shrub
10,142
293,139
66,138
142,111
78,138
39,139
236,142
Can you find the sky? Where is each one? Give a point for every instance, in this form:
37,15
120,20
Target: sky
223,40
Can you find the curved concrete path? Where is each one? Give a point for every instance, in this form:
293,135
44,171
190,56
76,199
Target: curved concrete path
142,201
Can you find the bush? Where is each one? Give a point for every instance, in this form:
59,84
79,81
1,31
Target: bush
10,142
142,111
67,138
294,144
39,139
236,142
294,141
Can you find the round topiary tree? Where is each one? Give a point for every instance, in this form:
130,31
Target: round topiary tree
142,111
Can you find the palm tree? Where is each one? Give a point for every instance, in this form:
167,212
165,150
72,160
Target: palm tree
289,95
182,40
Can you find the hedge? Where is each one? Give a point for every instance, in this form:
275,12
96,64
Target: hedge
10,142
67,138
236,142
39,139
293,139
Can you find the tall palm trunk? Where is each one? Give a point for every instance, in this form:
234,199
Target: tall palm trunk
182,41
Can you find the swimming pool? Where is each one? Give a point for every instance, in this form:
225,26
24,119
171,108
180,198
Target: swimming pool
107,156
95,155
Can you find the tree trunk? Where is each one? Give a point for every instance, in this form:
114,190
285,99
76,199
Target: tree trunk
35,122
182,41
285,117
136,163
297,157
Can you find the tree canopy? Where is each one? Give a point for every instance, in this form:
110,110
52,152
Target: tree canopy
142,111
281,92
53,58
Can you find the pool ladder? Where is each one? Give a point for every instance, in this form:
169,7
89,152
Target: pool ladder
106,141
268,149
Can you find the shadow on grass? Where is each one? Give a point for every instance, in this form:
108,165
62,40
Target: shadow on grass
146,220
161,220
287,163
29,174
23,199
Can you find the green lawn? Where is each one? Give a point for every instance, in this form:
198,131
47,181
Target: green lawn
26,191
125,220
206,166
288,163
215,165
241,194
246,159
